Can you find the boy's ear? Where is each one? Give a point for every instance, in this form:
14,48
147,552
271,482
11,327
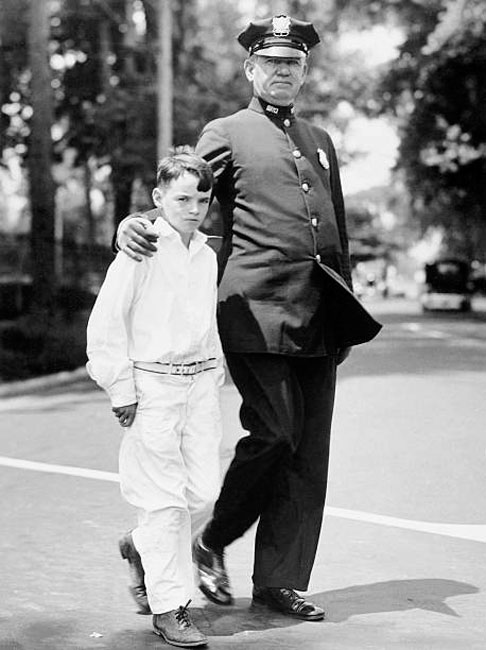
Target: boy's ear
157,196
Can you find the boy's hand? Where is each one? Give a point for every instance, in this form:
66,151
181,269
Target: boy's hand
137,238
125,414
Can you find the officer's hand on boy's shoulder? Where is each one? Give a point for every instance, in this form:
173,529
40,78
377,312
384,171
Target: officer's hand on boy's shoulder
125,414
137,238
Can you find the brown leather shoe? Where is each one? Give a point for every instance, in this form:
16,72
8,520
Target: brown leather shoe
286,601
137,574
177,628
213,579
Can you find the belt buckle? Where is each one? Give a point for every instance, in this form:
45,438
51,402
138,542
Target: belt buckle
188,369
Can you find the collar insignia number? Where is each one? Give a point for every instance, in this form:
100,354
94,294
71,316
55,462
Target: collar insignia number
323,161
272,109
281,26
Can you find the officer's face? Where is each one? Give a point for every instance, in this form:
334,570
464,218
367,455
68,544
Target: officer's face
276,79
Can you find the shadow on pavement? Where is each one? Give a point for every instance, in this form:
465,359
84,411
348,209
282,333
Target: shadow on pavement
340,605
218,621
392,596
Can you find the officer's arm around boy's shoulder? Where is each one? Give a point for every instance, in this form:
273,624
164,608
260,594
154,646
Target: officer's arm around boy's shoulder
136,237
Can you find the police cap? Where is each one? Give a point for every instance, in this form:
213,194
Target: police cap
279,36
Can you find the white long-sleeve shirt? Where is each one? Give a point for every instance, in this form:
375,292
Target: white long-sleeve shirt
160,309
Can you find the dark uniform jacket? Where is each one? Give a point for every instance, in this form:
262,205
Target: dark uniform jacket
286,282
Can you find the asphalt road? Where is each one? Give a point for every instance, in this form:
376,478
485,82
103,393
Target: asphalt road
402,558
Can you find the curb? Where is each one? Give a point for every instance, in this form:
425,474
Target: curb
28,386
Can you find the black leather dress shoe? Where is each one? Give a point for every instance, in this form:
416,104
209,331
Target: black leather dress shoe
213,579
137,574
286,601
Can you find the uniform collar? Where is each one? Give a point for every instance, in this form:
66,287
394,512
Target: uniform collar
278,113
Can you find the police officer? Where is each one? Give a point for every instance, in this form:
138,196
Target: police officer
287,318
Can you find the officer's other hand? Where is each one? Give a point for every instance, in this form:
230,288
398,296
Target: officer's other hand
125,414
342,355
137,238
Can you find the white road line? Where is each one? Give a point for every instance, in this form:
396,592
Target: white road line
36,402
471,532
416,328
455,338
59,469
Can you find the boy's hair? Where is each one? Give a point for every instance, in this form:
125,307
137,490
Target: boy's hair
181,160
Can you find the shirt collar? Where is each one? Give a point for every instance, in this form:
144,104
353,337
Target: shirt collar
278,113
164,229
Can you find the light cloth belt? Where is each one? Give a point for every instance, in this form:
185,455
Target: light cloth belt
192,368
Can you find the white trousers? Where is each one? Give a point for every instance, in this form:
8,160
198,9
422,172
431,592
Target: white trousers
169,470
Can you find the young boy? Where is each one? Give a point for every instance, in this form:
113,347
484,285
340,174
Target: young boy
153,346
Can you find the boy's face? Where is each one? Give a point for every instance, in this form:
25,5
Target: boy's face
183,204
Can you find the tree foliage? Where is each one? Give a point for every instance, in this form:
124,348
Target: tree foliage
437,90
104,76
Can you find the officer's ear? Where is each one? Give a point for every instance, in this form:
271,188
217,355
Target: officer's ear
249,67
305,69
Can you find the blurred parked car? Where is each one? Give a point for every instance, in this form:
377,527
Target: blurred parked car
478,278
447,286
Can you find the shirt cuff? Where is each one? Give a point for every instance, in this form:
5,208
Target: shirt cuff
122,393
220,372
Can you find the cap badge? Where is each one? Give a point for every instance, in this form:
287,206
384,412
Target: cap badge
323,161
281,26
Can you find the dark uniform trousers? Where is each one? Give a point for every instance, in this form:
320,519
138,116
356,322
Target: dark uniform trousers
279,471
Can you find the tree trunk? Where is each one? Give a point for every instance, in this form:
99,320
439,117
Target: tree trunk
105,51
2,78
164,78
122,181
91,238
39,164
129,43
